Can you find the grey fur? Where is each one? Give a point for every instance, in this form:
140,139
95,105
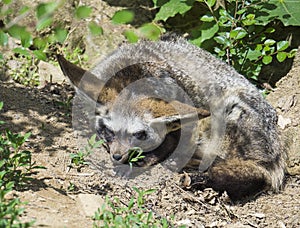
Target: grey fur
242,123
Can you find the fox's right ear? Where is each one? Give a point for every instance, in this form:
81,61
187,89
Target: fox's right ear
84,80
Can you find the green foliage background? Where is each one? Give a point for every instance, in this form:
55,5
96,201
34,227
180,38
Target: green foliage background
239,32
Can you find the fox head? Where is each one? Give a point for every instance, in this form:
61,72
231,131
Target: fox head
132,115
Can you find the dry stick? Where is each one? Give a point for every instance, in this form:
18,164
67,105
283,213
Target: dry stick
191,196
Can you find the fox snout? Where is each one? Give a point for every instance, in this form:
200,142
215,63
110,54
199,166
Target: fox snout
119,152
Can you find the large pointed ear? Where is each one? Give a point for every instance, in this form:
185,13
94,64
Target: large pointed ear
176,122
85,81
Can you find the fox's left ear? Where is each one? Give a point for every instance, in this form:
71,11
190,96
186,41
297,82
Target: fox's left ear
84,80
176,122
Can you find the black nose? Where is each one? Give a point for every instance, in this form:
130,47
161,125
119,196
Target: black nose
117,157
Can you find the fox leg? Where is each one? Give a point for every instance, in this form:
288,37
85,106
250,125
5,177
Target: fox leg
239,178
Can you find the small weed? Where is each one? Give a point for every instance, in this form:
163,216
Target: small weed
72,187
135,214
27,71
135,154
76,56
79,158
66,103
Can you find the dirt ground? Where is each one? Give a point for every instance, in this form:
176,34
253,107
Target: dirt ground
47,114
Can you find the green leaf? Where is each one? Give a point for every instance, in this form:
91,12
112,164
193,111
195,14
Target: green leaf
46,9
210,3
253,55
1,104
21,51
6,1
292,53
150,31
238,33
131,36
39,43
123,17
95,29
220,39
219,51
173,7
249,20
259,47
40,55
250,16
282,45
19,32
60,34
15,31
281,56
241,11
207,18
267,59
24,9
270,30
208,30
26,39
83,12
266,48
149,191
269,42
285,10
3,38
92,140
44,23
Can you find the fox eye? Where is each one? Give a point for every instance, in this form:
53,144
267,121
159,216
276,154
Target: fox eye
140,135
105,133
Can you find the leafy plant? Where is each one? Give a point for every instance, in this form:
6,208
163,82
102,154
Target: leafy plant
27,71
79,158
15,164
72,187
236,31
10,209
114,214
135,154
16,167
39,44
31,47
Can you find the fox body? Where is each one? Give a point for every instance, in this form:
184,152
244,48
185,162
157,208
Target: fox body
171,98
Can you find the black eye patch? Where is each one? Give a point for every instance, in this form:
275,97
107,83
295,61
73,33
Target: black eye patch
104,132
140,135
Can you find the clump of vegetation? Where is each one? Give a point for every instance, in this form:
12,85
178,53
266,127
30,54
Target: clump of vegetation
239,32
16,168
79,159
27,71
135,214
16,164
10,208
40,43
135,154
